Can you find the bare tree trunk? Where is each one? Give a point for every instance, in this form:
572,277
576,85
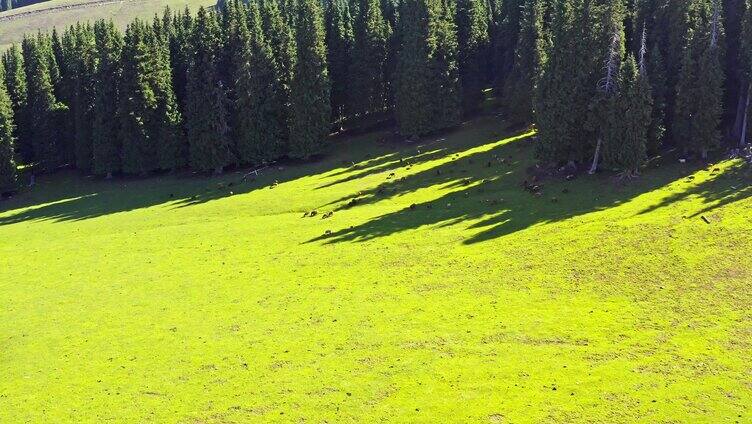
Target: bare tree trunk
743,138
594,167
736,130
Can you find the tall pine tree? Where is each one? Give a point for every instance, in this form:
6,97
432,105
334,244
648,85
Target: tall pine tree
311,107
529,58
427,80
473,38
43,111
700,88
15,82
207,104
339,40
368,66
261,115
105,126
8,172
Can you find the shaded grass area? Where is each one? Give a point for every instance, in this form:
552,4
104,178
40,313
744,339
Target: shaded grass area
438,287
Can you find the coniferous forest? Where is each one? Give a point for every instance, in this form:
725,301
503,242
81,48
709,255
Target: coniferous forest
606,83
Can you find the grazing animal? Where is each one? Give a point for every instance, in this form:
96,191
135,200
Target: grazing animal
313,213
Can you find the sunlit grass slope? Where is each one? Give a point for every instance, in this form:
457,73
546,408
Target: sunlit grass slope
444,293
50,14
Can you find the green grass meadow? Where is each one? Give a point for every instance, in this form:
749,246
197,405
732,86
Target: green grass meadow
444,293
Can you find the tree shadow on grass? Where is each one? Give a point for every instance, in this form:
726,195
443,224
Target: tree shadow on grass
485,186
723,187
68,196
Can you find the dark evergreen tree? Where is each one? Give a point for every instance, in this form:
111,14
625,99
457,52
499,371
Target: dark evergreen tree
180,55
605,120
625,147
473,39
505,29
43,111
139,155
531,51
280,37
261,115
311,107
368,66
745,64
339,40
207,113
700,88
427,81
149,118
8,172
656,74
106,144
564,91
15,82
82,67
165,119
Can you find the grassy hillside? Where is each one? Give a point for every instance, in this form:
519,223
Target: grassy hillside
61,13
443,292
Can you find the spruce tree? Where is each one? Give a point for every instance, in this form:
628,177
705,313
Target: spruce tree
605,120
519,87
261,115
105,126
8,172
625,149
745,63
427,81
280,38
473,38
15,82
180,56
311,107
368,66
339,41
700,88
207,113
149,118
44,113
445,76
656,71
506,16
66,56
137,99
82,67
165,118
556,90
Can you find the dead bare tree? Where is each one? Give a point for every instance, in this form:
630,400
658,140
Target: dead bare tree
608,85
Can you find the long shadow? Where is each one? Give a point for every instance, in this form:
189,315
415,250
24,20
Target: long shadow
723,188
68,196
487,188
